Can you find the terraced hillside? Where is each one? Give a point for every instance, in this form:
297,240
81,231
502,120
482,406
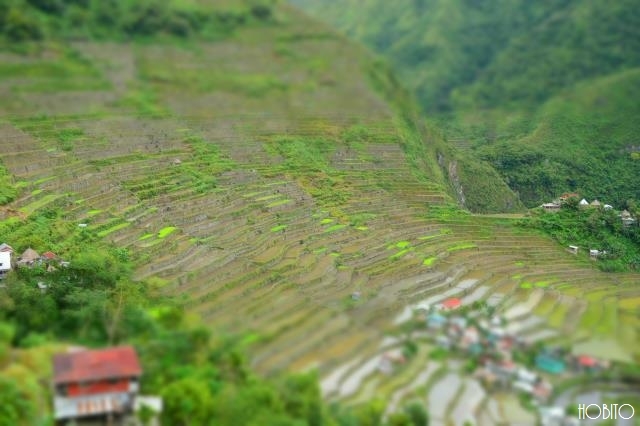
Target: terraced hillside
272,182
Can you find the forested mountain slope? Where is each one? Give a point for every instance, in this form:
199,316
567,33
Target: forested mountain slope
524,75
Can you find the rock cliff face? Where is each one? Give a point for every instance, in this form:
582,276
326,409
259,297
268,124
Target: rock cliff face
455,181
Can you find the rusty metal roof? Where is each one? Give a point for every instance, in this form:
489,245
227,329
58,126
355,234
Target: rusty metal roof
92,365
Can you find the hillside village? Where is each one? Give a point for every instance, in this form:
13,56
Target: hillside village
626,218
28,259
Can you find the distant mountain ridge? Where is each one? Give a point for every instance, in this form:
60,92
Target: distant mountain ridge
543,90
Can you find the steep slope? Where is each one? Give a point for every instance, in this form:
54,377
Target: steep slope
486,72
277,181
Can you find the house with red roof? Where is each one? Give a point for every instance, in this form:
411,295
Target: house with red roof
94,386
48,255
587,363
450,304
564,197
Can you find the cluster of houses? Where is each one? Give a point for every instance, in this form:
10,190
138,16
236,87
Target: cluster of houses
101,387
554,206
29,258
488,342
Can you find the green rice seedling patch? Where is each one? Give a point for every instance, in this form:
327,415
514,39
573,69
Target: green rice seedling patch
36,191
462,246
327,220
563,286
168,230
94,212
250,339
403,244
428,237
67,137
429,261
32,207
278,228
526,285
268,197
362,228
401,253
252,194
279,203
519,264
542,284
334,254
335,228
43,180
361,219
320,250
516,277
145,237
277,183
118,227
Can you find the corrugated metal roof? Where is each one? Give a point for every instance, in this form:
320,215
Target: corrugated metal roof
91,365
49,255
91,405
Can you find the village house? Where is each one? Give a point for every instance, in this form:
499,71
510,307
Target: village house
443,342
564,197
4,247
48,256
95,387
550,364
583,203
627,219
542,390
573,249
28,258
5,263
595,254
551,207
389,360
587,364
435,321
596,204
450,304
470,336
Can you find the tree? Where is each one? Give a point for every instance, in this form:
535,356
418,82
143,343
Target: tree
399,419
187,402
15,408
21,27
417,413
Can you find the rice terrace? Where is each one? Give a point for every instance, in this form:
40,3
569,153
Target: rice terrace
281,186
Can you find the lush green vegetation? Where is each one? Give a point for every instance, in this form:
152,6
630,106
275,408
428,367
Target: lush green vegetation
593,228
542,91
22,20
7,190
